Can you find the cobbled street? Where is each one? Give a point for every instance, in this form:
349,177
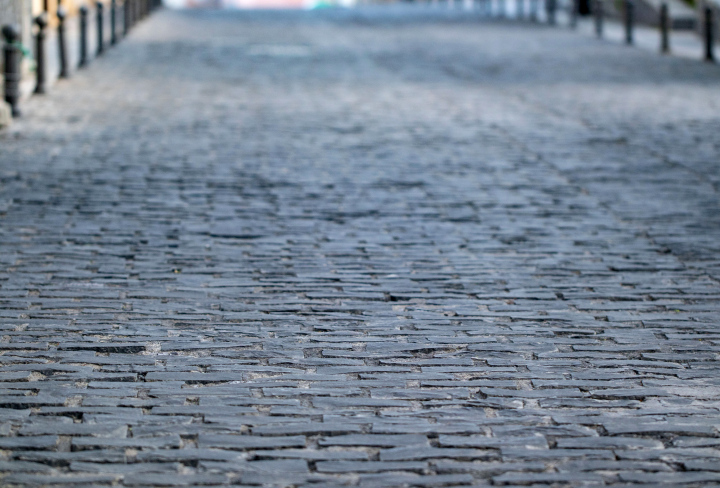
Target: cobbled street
374,247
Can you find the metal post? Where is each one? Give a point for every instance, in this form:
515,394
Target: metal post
83,36
40,82
709,35
126,17
574,13
533,10
100,24
62,46
12,56
113,21
629,20
520,9
664,29
550,9
597,6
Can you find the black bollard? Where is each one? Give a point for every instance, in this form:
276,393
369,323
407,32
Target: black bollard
599,14
113,21
100,24
12,57
629,21
126,17
62,47
533,10
40,82
664,29
574,13
709,35
550,9
83,36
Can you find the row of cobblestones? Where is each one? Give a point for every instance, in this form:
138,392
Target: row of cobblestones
381,247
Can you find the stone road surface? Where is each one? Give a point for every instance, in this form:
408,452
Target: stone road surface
364,248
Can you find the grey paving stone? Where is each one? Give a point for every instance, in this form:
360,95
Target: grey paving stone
374,440
248,442
420,453
669,478
369,466
547,478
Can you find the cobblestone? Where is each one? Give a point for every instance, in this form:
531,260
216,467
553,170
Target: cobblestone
375,247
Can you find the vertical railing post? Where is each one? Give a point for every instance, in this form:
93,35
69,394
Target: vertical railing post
550,9
520,9
40,61
83,36
12,55
574,13
664,28
533,10
126,17
598,14
113,22
99,13
709,35
629,21
62,43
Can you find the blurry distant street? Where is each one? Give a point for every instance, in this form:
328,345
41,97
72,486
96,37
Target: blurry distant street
396,246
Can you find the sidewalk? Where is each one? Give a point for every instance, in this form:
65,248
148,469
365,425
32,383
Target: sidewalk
373,247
